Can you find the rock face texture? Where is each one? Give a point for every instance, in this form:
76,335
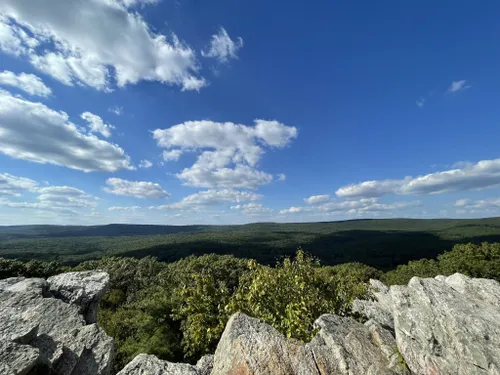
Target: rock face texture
43,330
436,326
84,289
448,325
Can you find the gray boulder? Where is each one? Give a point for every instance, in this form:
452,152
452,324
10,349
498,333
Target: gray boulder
83,289
448,326
145,364
380,308
342,346
39,332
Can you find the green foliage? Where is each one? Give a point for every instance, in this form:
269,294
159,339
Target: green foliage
33,268
402,274
472,260
201,311
292,295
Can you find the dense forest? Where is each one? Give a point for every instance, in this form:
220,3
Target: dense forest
383,244
178,310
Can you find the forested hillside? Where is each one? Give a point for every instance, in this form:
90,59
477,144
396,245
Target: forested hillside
383,244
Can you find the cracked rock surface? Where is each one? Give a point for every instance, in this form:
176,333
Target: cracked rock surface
42,332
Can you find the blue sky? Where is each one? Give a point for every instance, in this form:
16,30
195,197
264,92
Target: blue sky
185,112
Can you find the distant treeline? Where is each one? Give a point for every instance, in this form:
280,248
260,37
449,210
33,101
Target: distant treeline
383,244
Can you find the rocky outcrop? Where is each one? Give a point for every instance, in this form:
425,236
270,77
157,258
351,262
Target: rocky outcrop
84,289
44,326
436,326
448,326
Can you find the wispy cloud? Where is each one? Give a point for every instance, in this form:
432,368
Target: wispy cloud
458,86
420,102
222,47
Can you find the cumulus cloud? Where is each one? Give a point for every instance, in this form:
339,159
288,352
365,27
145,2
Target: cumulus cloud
53,138
52,198
369,189
294,210
252,209
118,208
95,43
138,189
233,150
15,186
458,86
145,164
65,196
97,125
210,197
172,155
483,174
479,207
316,199
29,83
354,207
222,47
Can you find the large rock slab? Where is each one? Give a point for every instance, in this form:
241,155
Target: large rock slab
448,326
342,346
83,289
379,308
42,333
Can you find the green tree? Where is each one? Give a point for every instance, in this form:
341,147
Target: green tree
472,260
292,295
403,273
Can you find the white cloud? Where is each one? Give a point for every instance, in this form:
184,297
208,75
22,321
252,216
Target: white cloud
138,189
420,102
457,86
467,206
145,164
241,177
65,196
134,3
53,198
29,83
15,186
172,155
118,208
354,207
462,202
97,125
210,197
369,189
484,174
53,138
252,209
316,199
222,47
229,144
14,40
117,110
281,177
294,210
95,43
